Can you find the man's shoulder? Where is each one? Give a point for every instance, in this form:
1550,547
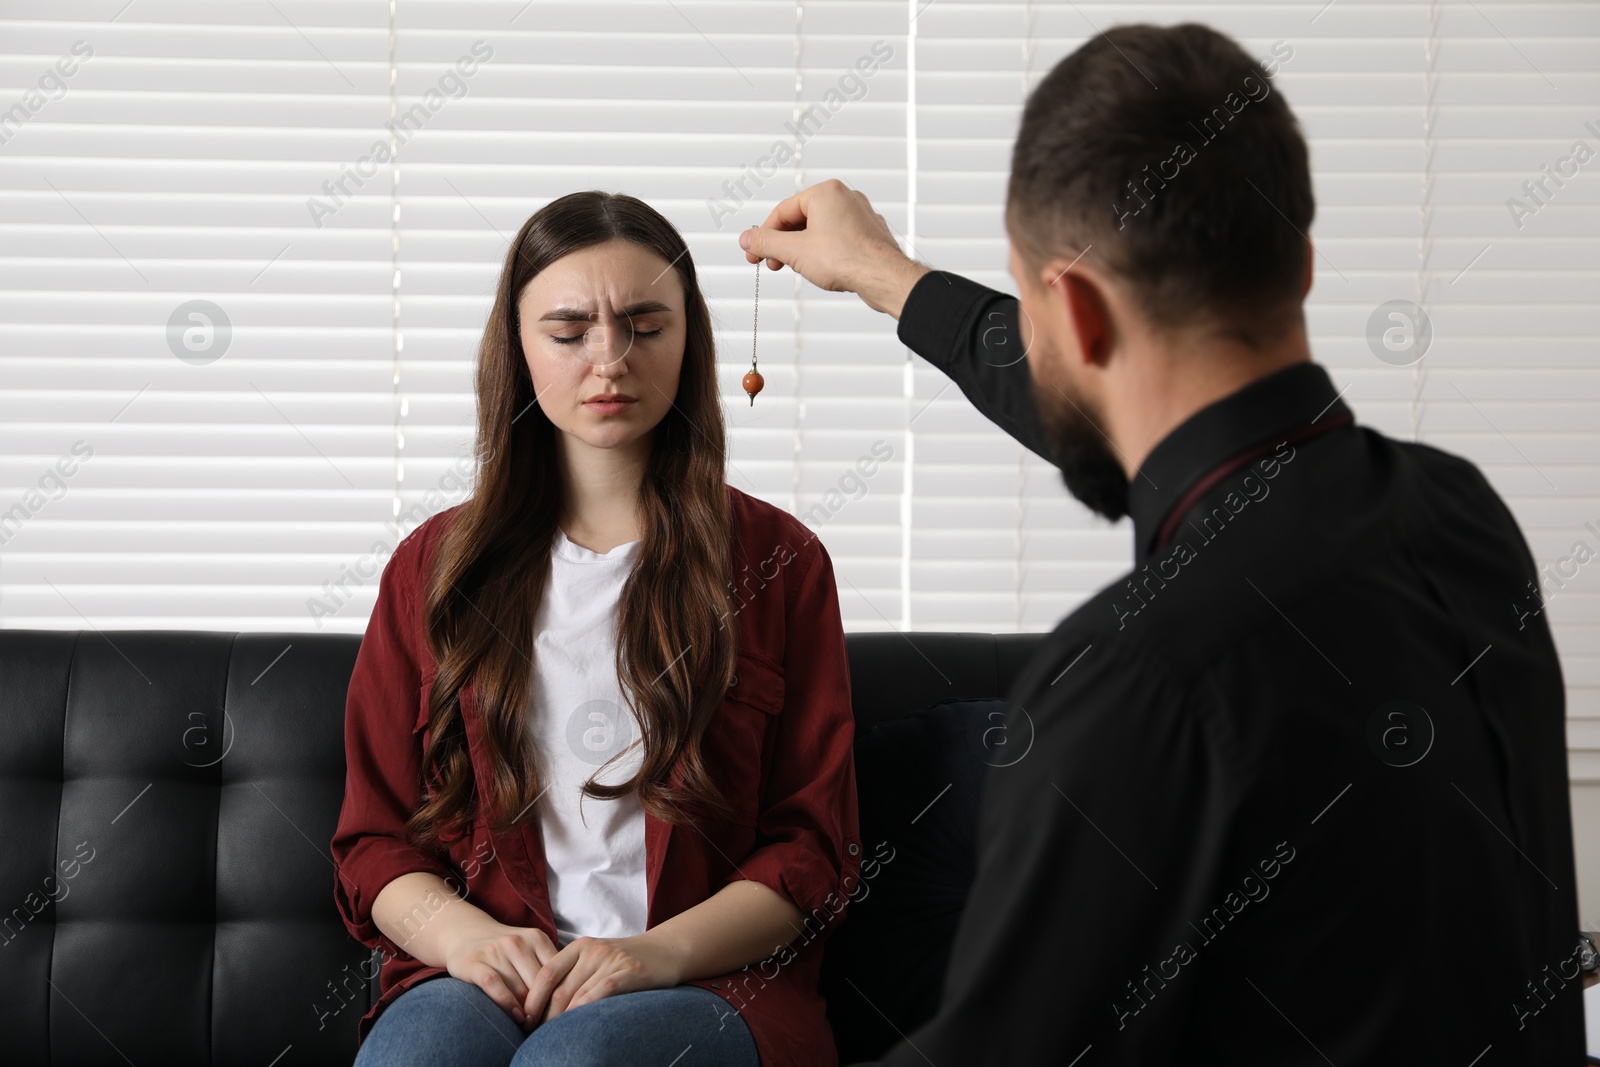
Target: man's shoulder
1087,661
1192,604
1134,628
1447,479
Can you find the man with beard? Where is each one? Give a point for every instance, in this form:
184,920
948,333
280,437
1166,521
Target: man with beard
1297,784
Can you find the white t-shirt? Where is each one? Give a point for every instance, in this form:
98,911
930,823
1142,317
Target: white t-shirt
594,858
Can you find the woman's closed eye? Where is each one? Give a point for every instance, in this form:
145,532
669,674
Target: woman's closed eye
575,338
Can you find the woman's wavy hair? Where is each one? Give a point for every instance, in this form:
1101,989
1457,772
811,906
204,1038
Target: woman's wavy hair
674,655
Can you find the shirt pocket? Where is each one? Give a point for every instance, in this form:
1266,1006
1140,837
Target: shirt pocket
749,724
757,683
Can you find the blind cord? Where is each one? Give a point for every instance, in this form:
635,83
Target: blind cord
1430,55
799,183
908,379
1022,474
397,339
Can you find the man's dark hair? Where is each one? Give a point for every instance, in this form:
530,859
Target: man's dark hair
1168,149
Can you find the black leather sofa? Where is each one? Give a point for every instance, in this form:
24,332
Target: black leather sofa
168,798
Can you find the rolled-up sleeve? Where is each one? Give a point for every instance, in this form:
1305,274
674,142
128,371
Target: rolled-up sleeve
382,755
809,840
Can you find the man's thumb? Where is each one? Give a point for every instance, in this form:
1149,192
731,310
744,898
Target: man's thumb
768,243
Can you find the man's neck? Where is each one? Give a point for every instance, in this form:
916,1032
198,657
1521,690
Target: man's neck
1148,403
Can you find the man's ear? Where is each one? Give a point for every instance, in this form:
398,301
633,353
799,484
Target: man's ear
1084,300
1311,255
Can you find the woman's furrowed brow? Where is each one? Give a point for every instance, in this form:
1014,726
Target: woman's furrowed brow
573,314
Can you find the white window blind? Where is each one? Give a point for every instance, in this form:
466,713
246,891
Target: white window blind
224,488
250,467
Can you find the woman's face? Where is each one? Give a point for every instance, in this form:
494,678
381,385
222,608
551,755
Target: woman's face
605,321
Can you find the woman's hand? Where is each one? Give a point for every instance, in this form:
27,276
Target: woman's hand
593,968
502,961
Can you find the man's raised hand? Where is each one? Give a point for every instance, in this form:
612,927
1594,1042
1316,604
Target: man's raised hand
831,236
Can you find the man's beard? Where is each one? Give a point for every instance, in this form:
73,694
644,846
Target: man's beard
1088,467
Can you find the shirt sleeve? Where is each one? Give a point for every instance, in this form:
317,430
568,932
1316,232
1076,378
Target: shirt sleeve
809,836
1071,935
971,332
383,757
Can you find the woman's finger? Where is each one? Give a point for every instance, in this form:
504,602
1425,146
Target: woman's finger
550,976
601,984
489,980
543,947
561,996
522,966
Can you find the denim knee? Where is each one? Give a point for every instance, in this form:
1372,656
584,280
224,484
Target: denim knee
441,1022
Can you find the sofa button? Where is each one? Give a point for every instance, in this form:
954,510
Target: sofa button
854,848
714,985
735,680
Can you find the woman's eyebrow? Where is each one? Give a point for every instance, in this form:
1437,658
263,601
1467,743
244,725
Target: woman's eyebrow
572,314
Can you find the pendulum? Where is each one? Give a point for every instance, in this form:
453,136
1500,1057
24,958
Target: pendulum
752,379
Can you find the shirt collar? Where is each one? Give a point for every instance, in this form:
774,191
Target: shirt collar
1291,397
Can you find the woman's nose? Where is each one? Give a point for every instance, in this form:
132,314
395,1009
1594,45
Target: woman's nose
605,344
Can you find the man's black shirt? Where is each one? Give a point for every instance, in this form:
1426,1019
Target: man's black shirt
1297,791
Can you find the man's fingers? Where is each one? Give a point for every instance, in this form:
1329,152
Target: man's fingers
790,213
775,246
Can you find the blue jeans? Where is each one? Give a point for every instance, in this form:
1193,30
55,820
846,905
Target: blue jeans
447,1022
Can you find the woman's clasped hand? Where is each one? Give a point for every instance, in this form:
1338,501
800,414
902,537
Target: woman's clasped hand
524,972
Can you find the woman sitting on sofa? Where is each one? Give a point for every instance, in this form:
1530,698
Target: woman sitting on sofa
600,803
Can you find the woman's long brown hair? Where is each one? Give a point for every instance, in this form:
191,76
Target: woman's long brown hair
674,655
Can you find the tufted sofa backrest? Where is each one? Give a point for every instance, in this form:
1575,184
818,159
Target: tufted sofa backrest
168,798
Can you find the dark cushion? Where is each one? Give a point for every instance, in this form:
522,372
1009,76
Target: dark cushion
918,778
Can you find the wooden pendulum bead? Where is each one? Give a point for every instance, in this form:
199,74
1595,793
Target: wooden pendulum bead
752,384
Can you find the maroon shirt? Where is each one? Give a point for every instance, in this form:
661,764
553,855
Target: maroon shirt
780,751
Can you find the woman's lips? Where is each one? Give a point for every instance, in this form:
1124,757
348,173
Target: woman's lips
608,407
